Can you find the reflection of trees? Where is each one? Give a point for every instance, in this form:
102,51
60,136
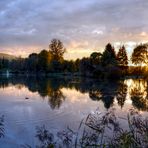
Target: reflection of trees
121,93
138,99
4,82
95,95
139,95
55,98
106,91
50,88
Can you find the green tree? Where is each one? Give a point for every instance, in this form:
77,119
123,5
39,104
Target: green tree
122,57
57,50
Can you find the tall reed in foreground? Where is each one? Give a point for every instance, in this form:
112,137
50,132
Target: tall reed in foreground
100,130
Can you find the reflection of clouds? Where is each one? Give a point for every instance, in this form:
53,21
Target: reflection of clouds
75,96
143,34
128,101
16,90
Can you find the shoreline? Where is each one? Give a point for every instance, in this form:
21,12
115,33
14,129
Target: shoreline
65,75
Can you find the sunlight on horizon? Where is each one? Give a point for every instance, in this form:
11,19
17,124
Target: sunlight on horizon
71,53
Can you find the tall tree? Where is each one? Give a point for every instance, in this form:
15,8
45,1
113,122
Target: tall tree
57,50
109,56
122,57
140,54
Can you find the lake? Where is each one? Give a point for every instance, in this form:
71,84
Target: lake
27,102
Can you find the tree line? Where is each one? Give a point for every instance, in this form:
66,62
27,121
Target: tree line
106,64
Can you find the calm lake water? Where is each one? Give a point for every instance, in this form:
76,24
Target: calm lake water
27,102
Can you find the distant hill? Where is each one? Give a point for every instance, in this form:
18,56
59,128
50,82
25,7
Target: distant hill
7,56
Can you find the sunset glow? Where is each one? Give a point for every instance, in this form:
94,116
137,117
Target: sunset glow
27,26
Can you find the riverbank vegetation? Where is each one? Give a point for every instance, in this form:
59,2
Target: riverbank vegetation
107,64
99,130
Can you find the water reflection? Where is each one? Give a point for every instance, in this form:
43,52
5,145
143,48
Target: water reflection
139,95
2,130
107,92
121,93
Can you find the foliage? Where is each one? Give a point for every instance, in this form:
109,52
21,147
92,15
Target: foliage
57,50
95,58
103,130
109,56
122,57
85,67
4,63
44,59
45,138
140,54
106,65
99,65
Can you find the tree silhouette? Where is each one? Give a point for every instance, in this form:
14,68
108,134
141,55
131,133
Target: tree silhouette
57,50
95,58
55,98
86,68
121,93
109,56
140,54
122,57
95,95
32,62
139,95
138,100
44,59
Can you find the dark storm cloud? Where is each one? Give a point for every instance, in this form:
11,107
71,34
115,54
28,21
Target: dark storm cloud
78,23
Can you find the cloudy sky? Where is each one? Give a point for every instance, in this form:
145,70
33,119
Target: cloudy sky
83,26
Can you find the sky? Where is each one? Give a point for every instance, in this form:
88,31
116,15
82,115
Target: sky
84,26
